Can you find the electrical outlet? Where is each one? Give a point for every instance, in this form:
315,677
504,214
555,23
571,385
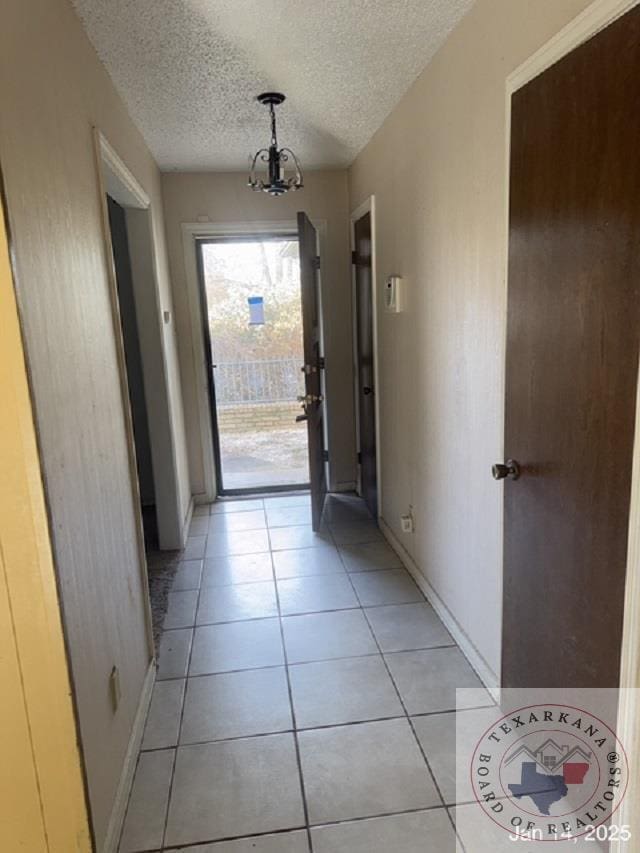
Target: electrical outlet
114,688
407,523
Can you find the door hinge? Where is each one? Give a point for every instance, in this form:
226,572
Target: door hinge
354,257
359,458
325,455
321,363
316,262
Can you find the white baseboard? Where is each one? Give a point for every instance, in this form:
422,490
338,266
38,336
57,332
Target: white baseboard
483,670
126,778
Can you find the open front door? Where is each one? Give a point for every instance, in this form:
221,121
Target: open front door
312,403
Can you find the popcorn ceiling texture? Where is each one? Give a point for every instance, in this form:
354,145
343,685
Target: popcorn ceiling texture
189,70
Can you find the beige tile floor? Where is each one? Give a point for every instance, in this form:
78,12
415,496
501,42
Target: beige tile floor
305,694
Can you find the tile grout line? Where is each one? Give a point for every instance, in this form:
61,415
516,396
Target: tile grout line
400,699
305,805
321,727
412,727
409,720
287,665
300,613
324,575
273,733
126,812
317,660
284,832
142,751
184,698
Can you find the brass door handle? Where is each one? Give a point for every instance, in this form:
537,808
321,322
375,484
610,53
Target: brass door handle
507,471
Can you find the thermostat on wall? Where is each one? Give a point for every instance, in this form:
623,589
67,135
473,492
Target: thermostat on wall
393,294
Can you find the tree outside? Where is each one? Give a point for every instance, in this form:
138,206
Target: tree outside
257,374
234,272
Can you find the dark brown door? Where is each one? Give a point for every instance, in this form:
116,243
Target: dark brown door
313,363
572,362
365,355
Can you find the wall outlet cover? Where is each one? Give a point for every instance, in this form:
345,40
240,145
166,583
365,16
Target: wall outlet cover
407,523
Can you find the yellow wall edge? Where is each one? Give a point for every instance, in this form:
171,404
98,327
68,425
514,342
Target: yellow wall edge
42,799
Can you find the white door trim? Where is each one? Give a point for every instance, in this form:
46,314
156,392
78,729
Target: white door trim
367,206
594,18
191,233
114,177
118,181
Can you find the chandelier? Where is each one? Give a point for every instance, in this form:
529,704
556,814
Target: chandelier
279,161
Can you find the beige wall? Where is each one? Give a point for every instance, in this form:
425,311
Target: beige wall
52,89
223,198
437,168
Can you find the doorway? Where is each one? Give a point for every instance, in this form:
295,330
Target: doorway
135,374
572,363
153,319
365,366
253,330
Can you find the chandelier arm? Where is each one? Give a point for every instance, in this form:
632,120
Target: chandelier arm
253,180
298,180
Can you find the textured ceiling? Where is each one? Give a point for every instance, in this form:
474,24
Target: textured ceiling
189,71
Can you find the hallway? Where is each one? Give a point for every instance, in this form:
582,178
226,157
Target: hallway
305,682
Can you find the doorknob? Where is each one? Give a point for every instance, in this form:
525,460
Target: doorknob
367,390
510,470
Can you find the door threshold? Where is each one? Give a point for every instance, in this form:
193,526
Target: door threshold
261,491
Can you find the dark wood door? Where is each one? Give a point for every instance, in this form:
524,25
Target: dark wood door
313,363
365,355
572,362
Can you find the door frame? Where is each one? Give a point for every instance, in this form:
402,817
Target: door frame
367,206
594,18
116,180
192,234
213,407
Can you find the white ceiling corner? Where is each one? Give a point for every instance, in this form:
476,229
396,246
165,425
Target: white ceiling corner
189,71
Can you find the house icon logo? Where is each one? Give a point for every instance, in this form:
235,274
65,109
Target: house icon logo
549,773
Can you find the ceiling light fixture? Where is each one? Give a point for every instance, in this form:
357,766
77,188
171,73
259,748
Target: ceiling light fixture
275,182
